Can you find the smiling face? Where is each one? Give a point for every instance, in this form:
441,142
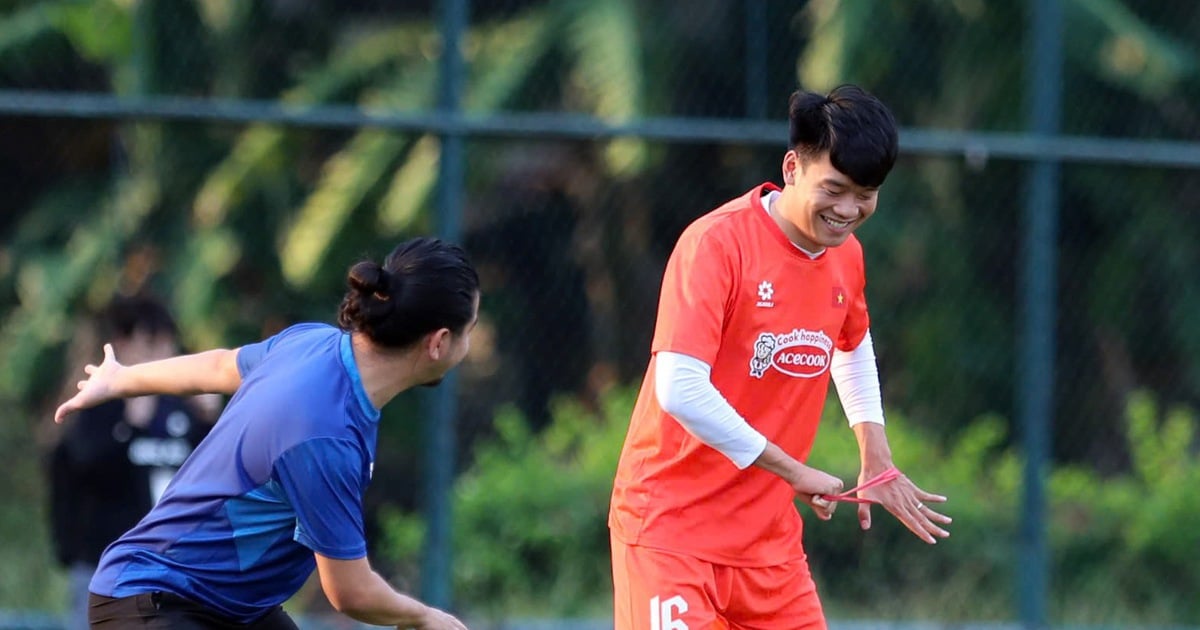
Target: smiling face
821,206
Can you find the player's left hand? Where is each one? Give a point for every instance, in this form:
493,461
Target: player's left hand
909,504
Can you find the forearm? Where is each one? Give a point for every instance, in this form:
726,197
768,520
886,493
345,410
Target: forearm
357,591
377,603
686,392
775,461
209,372
857,380
873,449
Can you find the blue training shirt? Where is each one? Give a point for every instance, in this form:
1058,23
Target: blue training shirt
281,475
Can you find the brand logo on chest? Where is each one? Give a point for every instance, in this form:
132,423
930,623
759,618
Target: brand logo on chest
766,292
800,353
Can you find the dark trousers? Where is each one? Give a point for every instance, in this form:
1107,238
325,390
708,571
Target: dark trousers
166,610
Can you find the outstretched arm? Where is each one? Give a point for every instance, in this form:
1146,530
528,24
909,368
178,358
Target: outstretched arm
209,372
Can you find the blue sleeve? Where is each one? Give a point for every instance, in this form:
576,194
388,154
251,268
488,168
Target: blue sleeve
251,354
324,480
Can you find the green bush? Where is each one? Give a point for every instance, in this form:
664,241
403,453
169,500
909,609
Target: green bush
30,578
1128,545
531,537
530,516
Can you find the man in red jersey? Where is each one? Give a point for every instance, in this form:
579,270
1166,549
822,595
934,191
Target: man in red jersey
762,303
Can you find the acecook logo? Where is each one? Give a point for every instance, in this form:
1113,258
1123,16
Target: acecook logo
800,353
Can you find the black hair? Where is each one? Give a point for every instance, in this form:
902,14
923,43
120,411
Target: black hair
127,314
856,128
424,285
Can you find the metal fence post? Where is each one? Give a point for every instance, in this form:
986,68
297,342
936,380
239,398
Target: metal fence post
756,58
439,427
1036,345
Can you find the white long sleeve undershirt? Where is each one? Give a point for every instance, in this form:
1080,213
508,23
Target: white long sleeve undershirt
856,378
684,388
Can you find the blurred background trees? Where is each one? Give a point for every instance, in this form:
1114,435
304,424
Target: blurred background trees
245,228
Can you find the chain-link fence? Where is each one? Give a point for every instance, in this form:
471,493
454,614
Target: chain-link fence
236,158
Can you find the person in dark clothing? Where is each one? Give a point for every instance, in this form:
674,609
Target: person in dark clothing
113,461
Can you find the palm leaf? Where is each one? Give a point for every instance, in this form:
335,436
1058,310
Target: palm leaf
101,30
22,27
345,181
261,148
607,49
505,53
208,255
410,187
349,176
837,32
49,283
1125,50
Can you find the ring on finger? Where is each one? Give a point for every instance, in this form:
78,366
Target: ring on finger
920,506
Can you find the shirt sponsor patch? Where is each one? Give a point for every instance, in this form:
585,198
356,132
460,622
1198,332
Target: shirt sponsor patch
800,353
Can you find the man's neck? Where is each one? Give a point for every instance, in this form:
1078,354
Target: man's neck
768,202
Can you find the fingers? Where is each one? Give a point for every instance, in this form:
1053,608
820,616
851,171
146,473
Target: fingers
822,508
926,529
910,505
919,519
63,410
936,517
446,620
926,497
864,516
94,374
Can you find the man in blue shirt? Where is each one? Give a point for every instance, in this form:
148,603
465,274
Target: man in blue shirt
276,488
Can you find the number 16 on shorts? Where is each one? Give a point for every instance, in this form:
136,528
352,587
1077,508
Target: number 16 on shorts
664,615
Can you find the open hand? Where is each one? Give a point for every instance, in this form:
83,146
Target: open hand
909,504
96,389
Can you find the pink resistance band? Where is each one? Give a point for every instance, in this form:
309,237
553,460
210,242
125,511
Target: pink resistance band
850,496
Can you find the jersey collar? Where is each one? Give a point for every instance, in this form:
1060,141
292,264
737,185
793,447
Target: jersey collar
360,392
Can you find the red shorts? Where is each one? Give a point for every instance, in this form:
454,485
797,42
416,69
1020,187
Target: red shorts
661,590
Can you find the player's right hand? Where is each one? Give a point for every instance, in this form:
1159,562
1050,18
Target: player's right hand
435,619
96,389
809,484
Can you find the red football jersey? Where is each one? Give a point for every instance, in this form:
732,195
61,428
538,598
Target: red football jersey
740,296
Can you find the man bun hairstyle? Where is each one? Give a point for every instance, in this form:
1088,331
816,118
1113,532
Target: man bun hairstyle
856,128
424,285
